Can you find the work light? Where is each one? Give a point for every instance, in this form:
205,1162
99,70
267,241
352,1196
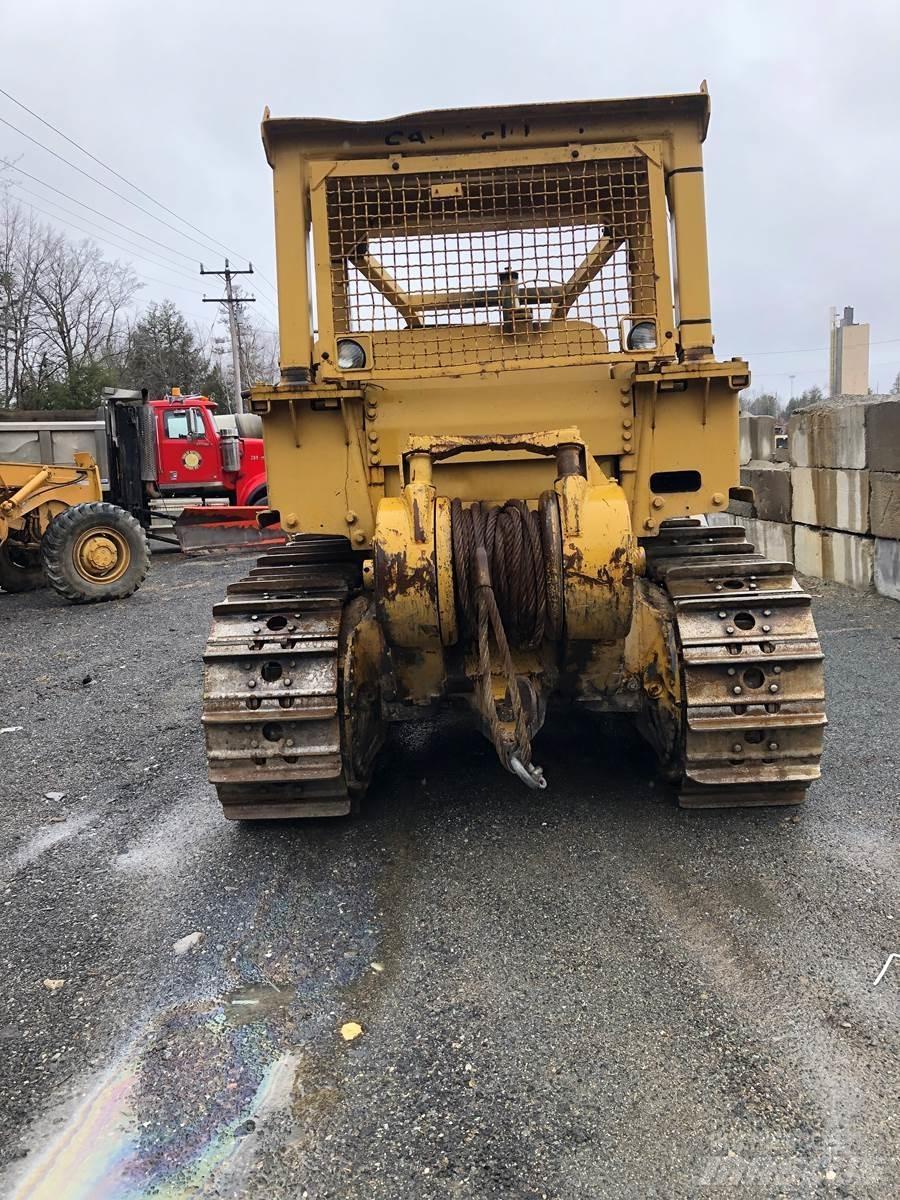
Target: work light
351,356
642,336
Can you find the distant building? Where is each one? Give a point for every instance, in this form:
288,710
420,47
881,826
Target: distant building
849,356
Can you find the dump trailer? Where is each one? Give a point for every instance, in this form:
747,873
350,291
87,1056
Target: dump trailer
54,437
55,527
492,455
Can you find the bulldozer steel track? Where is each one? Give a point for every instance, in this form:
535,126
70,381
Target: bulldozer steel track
272,674
751,665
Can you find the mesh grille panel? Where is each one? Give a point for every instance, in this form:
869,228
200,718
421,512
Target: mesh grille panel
504,263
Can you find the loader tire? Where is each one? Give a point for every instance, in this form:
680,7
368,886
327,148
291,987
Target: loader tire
95,552
20,570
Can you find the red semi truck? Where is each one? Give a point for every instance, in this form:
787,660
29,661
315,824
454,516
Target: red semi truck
200,454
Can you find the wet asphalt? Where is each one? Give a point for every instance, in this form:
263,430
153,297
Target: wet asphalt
575,994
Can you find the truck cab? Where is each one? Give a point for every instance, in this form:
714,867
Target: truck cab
199,453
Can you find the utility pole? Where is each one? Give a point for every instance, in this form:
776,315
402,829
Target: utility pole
230,300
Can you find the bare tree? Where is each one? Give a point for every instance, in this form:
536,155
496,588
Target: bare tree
61,313
259,353
763,404
258,346
81,298
23,248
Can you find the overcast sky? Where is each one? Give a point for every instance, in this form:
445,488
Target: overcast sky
802,158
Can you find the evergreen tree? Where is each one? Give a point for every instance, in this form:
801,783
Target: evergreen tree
164,352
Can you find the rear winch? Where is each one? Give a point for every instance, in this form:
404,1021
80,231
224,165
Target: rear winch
501,591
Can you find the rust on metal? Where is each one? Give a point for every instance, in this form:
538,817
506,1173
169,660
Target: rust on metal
230,527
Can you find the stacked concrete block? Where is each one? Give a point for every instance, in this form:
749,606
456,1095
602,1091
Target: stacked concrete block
771,483
757,439
835,507
831,497
839,557
767,520
887,567
846,491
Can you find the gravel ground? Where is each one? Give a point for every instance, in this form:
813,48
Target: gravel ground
579,994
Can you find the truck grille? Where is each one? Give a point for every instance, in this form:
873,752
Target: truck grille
494,265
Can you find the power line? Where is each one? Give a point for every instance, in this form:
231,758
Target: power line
816,349
175,266
166,283
811,371
138,252
113,171
118,246
93,178
271,286
100,162
81,204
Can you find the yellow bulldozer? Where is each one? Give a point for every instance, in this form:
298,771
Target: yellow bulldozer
493,450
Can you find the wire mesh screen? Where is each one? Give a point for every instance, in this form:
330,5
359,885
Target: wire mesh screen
452,268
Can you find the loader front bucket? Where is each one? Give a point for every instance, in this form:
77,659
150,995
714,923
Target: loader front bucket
203,528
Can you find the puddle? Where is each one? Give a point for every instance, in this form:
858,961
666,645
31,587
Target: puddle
89,1160
100,1155
190,1105
255,1002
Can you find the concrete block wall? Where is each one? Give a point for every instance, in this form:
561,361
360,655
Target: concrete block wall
834,508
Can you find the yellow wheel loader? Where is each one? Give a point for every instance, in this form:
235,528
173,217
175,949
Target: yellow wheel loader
56,528
493,456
